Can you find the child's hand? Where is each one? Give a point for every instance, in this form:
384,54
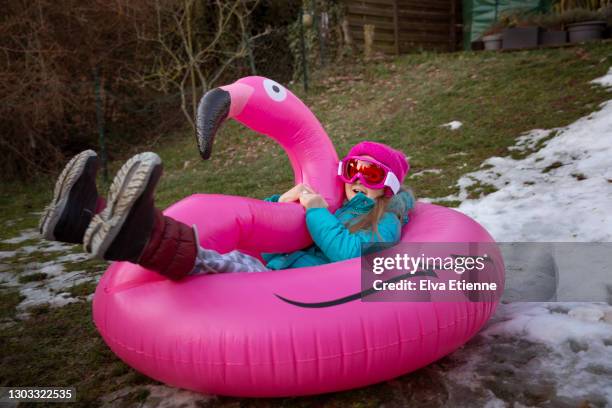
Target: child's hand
311,199
293,194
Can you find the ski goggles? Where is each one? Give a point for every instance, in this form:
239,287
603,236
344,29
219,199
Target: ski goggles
371,173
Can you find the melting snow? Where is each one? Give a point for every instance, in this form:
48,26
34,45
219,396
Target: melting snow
454,125
553,354
563,192
605,80
24,236
159,396
53,287
537,354
422,172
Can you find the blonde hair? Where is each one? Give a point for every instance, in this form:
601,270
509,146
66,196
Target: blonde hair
372,218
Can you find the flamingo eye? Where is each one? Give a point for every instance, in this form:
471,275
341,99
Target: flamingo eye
275,90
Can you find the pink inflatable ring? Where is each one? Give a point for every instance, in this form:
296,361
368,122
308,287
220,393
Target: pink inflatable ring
278,333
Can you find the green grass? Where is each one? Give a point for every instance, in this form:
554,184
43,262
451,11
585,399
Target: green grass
33,277
479,189
9,299
82,289
60,347
552,166
497,96
402,102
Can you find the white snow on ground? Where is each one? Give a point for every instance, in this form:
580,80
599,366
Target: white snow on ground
7,254
535,354
159,397
52,289
453,125
563,192
422,172
605,80
545,354
24,236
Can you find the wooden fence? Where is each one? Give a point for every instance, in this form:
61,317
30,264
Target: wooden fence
406,25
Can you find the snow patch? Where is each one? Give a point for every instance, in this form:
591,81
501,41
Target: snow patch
541,197
531,353
457,154
587,314
559,353
7,254
425,171
605,81
159,396
24,236
581,354
52,286
453,125
530,139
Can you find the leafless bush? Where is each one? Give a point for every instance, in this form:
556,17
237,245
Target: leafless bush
199,43
148,59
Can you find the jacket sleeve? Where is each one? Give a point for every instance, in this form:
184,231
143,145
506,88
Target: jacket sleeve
273,198
338,243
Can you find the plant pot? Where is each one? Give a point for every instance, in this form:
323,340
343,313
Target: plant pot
517,38
492,42
553,37
586,31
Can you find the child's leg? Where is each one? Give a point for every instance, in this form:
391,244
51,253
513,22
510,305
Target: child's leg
211,261
130,228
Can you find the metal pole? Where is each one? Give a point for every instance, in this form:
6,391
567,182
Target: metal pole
496,11
317,23
396,27
453,26
303,46
100,120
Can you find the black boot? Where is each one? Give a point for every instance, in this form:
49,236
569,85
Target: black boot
75,200
122,230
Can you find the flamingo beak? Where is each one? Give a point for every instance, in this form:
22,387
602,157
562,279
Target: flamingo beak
214,108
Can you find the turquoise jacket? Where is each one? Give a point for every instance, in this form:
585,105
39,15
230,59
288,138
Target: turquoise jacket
332,240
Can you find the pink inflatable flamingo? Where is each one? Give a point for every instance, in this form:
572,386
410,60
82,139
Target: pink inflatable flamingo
279,333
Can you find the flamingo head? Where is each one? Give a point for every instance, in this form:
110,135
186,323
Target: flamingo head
259,103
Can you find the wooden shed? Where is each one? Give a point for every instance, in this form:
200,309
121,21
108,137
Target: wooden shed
403,26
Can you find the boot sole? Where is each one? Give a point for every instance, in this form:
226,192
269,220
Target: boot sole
64,184
129,184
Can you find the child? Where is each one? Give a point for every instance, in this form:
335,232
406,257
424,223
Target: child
129,227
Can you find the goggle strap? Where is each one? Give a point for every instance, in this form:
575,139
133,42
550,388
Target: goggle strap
392,182
340,164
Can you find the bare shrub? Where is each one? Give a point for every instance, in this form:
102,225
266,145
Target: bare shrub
149,59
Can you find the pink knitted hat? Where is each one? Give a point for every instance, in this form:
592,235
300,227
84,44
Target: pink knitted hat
394,159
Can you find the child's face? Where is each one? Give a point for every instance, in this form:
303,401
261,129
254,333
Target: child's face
351,189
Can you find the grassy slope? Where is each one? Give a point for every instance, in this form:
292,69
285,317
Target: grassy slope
402,102
497,96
